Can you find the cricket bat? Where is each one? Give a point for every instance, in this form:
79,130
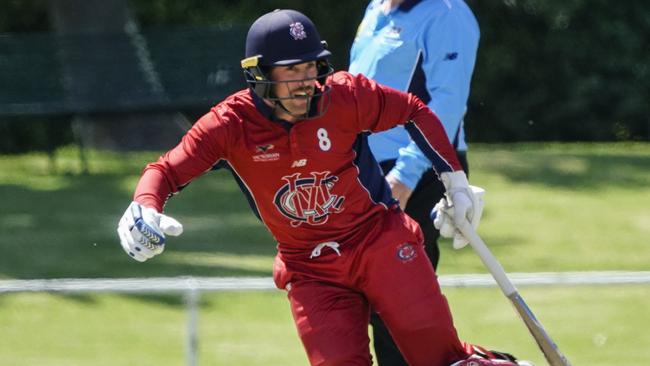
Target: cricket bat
550,350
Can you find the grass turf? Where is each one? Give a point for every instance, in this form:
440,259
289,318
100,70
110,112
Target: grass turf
549,207
596,326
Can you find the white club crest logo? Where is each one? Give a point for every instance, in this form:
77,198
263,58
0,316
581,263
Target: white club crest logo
297,31
308,199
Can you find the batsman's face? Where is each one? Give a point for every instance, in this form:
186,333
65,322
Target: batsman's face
295,85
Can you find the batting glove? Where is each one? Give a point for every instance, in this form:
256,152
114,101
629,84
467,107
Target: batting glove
462,203
142,231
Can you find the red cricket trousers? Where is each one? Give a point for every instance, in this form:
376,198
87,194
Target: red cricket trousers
332,289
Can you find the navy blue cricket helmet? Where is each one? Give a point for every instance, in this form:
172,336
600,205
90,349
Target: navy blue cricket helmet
282,38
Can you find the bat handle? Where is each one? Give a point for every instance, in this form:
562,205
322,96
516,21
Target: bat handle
490,262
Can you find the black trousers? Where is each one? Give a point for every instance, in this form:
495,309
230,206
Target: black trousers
425,195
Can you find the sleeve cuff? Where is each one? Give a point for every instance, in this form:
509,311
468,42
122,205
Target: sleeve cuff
410,165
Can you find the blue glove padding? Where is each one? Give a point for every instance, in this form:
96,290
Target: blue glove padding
142,231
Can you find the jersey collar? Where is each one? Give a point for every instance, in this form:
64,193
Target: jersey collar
407,5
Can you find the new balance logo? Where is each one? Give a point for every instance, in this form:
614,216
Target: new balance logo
451,56
299,163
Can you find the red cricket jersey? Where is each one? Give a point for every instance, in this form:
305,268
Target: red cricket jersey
312,181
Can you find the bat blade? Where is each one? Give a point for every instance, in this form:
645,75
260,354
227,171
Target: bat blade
550,350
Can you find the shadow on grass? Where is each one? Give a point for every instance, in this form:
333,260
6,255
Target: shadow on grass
70,231
171,300
570,170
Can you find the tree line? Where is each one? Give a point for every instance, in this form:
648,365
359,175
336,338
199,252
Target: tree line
547,70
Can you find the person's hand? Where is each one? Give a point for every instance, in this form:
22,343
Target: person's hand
142,231
462,205
400,191
442,218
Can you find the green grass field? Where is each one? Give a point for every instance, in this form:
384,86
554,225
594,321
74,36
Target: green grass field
554,207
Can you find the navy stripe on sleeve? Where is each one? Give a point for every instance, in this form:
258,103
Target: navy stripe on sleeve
222,164
370,173
440,164
418,85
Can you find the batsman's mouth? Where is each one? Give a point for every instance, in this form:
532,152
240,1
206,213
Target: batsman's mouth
302,96
304,93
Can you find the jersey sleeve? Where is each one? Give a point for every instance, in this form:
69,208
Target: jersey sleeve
450,44
410,164
380,108
199,150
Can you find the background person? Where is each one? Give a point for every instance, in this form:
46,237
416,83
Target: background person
428,48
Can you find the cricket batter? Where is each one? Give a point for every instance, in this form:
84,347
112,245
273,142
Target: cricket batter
297,142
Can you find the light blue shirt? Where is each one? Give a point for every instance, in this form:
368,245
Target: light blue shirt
425,47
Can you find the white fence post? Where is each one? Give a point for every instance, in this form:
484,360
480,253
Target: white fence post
192,299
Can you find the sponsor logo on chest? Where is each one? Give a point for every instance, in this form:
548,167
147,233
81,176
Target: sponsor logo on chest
265,154
266,157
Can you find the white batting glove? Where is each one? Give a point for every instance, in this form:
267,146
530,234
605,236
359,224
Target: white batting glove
142,231
463,203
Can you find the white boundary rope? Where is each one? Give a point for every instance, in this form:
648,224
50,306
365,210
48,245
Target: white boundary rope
207,284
